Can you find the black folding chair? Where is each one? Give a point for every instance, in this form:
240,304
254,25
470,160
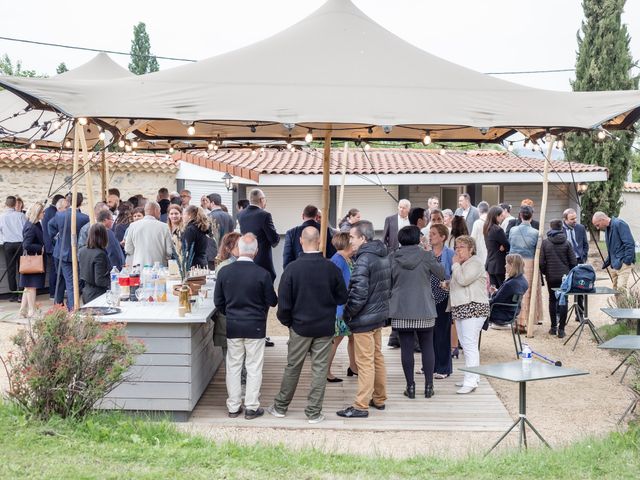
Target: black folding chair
515,306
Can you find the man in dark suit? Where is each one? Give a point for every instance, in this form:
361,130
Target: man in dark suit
61,225
577,236
255,219
243,293
292,246
49,213
517,221
393,224
223,219
469,212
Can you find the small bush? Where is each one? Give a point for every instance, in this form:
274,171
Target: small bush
65,363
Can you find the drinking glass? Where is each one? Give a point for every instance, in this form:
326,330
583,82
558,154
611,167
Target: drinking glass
140,295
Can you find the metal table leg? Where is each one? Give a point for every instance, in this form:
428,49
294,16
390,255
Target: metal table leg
630,409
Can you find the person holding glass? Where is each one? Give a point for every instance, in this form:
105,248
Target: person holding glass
469,304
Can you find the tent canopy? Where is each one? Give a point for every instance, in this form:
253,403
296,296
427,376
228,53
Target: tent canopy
335,69
21,129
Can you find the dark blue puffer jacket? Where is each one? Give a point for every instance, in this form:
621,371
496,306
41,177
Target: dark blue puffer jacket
367,307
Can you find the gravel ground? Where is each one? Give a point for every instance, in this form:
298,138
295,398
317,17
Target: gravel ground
564,411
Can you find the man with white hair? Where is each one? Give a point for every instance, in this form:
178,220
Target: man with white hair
255,219
621,248
393,224
149,240
243,293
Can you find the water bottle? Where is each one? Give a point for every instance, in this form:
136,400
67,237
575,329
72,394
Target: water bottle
115,287
526,356
153,283
145,283
123,282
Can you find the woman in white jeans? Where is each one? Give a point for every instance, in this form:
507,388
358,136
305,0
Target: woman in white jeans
469,304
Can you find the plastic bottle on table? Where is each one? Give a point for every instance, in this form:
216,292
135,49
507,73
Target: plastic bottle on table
134,283
114,281
123,282
161,285
527,357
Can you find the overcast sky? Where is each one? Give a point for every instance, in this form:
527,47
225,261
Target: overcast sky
486,35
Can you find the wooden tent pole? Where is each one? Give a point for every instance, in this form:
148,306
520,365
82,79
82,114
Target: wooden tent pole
326,164
87,175
345,155
74,217
104,175
536,261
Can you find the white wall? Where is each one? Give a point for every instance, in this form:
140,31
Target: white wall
629,212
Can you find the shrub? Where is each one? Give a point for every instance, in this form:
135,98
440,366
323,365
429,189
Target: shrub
65,363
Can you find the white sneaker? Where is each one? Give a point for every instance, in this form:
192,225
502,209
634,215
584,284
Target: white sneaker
315,420
459,384
465,390
272,411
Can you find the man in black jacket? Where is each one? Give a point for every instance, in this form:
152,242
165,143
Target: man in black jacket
366,312
244,292
292,244
255,219
310,290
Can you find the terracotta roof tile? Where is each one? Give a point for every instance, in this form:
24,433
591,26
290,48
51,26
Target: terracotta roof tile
632,187
147,162
381,161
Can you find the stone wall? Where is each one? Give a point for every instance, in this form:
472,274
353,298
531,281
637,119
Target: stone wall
32,184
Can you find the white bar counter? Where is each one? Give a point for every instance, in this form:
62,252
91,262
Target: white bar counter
179,359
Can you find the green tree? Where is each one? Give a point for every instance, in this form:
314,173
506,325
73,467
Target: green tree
603,63
141,59
61,68
8,68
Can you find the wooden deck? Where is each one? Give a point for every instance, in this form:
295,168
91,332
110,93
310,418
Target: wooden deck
445,411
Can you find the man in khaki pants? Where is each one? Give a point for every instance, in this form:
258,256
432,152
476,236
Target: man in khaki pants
366,312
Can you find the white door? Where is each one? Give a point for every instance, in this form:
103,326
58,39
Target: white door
287,203
199,188
373,202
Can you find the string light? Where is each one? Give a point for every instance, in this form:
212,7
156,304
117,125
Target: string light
67,144
215,147
210,146
547,137
442,151
602,134
536,147
121,143
191,130
56,124
510,147
127,148
134,144
427,138
102,135
253,129
309,136
367,146
33,146
370,130
560,144
82,121
171,149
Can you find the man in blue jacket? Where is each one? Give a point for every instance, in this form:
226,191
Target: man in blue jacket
61,225
49,213
621,248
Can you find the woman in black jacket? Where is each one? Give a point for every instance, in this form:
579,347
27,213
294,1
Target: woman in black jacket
32,244
497,246
195,235
557,258
94,263
514,285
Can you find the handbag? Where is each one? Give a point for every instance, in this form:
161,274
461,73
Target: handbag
30,264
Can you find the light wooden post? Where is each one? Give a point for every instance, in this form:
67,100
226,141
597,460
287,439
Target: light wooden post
104,175
345,154
87,174
74,218
536,260
326,164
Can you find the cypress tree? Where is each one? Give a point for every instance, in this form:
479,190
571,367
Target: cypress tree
603,62
141,59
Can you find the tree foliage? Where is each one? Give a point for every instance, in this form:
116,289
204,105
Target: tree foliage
603,62
7,67
61,68
141,59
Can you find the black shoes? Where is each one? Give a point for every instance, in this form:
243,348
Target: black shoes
334,380
377,407
251,414
351,373
561,334
428,391
352,412
553,331
268,342
410,391
455,353
235,414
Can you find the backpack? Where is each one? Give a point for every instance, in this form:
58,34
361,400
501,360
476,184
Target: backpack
581,279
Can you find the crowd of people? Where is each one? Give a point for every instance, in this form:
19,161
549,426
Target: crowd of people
437,277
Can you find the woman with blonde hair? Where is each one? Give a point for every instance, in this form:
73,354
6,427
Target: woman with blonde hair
195,234
515,284
176,227
32,244
469,304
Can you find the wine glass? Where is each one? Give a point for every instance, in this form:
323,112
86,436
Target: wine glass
140,295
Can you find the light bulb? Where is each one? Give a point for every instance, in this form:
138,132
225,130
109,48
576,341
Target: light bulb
547,137
308,137
254,153
127,148
367,146
121,143
191,130
215,147
33,145
67,144
536,147
82,121
102,136
427,138
510,147
56,124
210,146
171,150
560,144
602,135
289,146
442,151
134,144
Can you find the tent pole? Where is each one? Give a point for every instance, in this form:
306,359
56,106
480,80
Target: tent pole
325,192
87,175
104,172
74,217
536,261
345,154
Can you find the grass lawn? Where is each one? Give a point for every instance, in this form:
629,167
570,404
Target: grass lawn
112,445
